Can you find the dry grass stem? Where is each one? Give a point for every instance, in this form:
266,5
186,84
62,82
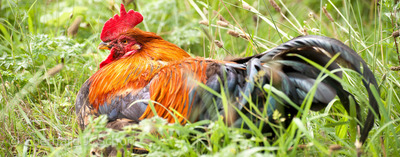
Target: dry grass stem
335,147
233,33
56,69
395,34
244,36
300,146
222,23
219,43
73,28
221,18
275,6
204,22
395,68
246,6
327,14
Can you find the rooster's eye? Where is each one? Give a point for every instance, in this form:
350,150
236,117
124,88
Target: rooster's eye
124,41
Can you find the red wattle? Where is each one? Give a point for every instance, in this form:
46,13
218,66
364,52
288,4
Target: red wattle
109,59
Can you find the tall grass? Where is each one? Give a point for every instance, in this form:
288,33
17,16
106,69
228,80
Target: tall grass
42,69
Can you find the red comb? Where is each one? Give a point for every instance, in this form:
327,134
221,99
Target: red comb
118,24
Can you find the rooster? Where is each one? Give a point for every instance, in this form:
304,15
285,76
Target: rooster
143,66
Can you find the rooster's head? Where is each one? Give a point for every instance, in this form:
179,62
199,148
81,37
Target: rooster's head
114,38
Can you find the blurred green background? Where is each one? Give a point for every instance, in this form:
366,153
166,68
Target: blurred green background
43,65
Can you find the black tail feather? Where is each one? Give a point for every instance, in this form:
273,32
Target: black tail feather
348,58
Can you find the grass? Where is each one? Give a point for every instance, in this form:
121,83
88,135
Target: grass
42,69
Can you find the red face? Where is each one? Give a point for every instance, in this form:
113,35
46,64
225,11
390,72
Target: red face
121,47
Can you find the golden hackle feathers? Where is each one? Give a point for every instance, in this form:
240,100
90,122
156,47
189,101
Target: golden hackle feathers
130,74
120,76
172,86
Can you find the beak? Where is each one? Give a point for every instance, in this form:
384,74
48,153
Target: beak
104,46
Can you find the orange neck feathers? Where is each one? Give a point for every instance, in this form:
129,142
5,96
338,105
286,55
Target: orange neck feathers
130,74
155,47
